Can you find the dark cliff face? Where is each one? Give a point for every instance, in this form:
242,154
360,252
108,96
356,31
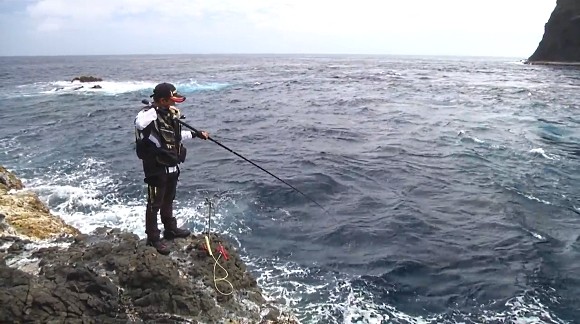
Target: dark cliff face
561,41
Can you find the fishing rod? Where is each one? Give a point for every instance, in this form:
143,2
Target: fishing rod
145,101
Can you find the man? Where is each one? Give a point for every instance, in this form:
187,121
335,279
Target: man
158,143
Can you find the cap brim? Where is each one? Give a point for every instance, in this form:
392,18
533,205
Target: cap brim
178,98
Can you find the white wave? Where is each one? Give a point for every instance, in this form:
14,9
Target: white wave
110,88
531,197
24,260
472,139
107,88
14,152
536,235
126,217
524,309
462,134
87,198
194,85
316,298
540,151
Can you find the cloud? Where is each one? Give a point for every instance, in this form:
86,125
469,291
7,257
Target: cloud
113,11
298,26
320,16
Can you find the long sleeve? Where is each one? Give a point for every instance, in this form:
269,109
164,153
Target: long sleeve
185,134
144,118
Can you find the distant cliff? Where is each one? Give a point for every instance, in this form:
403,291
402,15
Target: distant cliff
561,41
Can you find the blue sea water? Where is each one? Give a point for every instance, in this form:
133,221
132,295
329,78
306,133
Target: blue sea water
451,184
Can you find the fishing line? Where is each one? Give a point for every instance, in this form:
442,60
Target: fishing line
145,101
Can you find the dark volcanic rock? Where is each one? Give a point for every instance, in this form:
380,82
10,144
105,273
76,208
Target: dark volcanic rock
561,41
85,78
52,273
112,276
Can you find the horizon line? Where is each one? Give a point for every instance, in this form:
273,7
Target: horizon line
264,54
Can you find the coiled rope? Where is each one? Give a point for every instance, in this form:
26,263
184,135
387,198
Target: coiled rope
210,212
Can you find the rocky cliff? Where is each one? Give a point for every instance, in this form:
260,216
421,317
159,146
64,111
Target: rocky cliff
561,40
52,273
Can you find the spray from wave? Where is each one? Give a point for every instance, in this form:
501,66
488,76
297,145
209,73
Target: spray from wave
106,88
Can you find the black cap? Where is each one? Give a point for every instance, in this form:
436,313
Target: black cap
167,90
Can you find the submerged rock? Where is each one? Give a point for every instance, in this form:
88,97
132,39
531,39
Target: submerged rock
112,276
561,40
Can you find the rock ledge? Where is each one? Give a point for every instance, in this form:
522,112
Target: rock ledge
52,273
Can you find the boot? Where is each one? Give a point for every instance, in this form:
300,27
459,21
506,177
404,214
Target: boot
160,246
175,233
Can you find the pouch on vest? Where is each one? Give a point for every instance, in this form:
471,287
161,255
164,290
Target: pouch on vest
182,153
167,157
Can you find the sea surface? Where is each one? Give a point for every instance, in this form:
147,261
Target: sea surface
451,184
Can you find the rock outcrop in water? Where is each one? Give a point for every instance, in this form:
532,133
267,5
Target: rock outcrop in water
561,40
52,273
85,78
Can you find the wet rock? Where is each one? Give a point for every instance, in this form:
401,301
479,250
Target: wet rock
112,276
16,247
8,180
85,78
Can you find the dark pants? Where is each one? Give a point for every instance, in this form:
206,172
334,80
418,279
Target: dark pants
160,201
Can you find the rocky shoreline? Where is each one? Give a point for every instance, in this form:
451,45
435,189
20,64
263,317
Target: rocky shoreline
552,63
51,273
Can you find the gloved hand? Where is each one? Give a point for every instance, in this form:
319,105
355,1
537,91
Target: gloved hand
203,135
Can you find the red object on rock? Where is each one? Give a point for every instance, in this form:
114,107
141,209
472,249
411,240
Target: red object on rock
221,250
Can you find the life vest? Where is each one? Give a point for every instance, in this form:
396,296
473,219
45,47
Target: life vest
165,130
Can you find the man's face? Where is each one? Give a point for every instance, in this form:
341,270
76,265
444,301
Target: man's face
166,102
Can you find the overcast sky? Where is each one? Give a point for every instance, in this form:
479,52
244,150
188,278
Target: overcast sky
509,28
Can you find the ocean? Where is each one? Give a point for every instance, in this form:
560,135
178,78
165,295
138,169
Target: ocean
451,183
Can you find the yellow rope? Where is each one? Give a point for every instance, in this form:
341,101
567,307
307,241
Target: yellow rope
215,280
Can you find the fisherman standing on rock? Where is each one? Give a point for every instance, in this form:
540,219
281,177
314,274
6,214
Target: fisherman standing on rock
158,136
